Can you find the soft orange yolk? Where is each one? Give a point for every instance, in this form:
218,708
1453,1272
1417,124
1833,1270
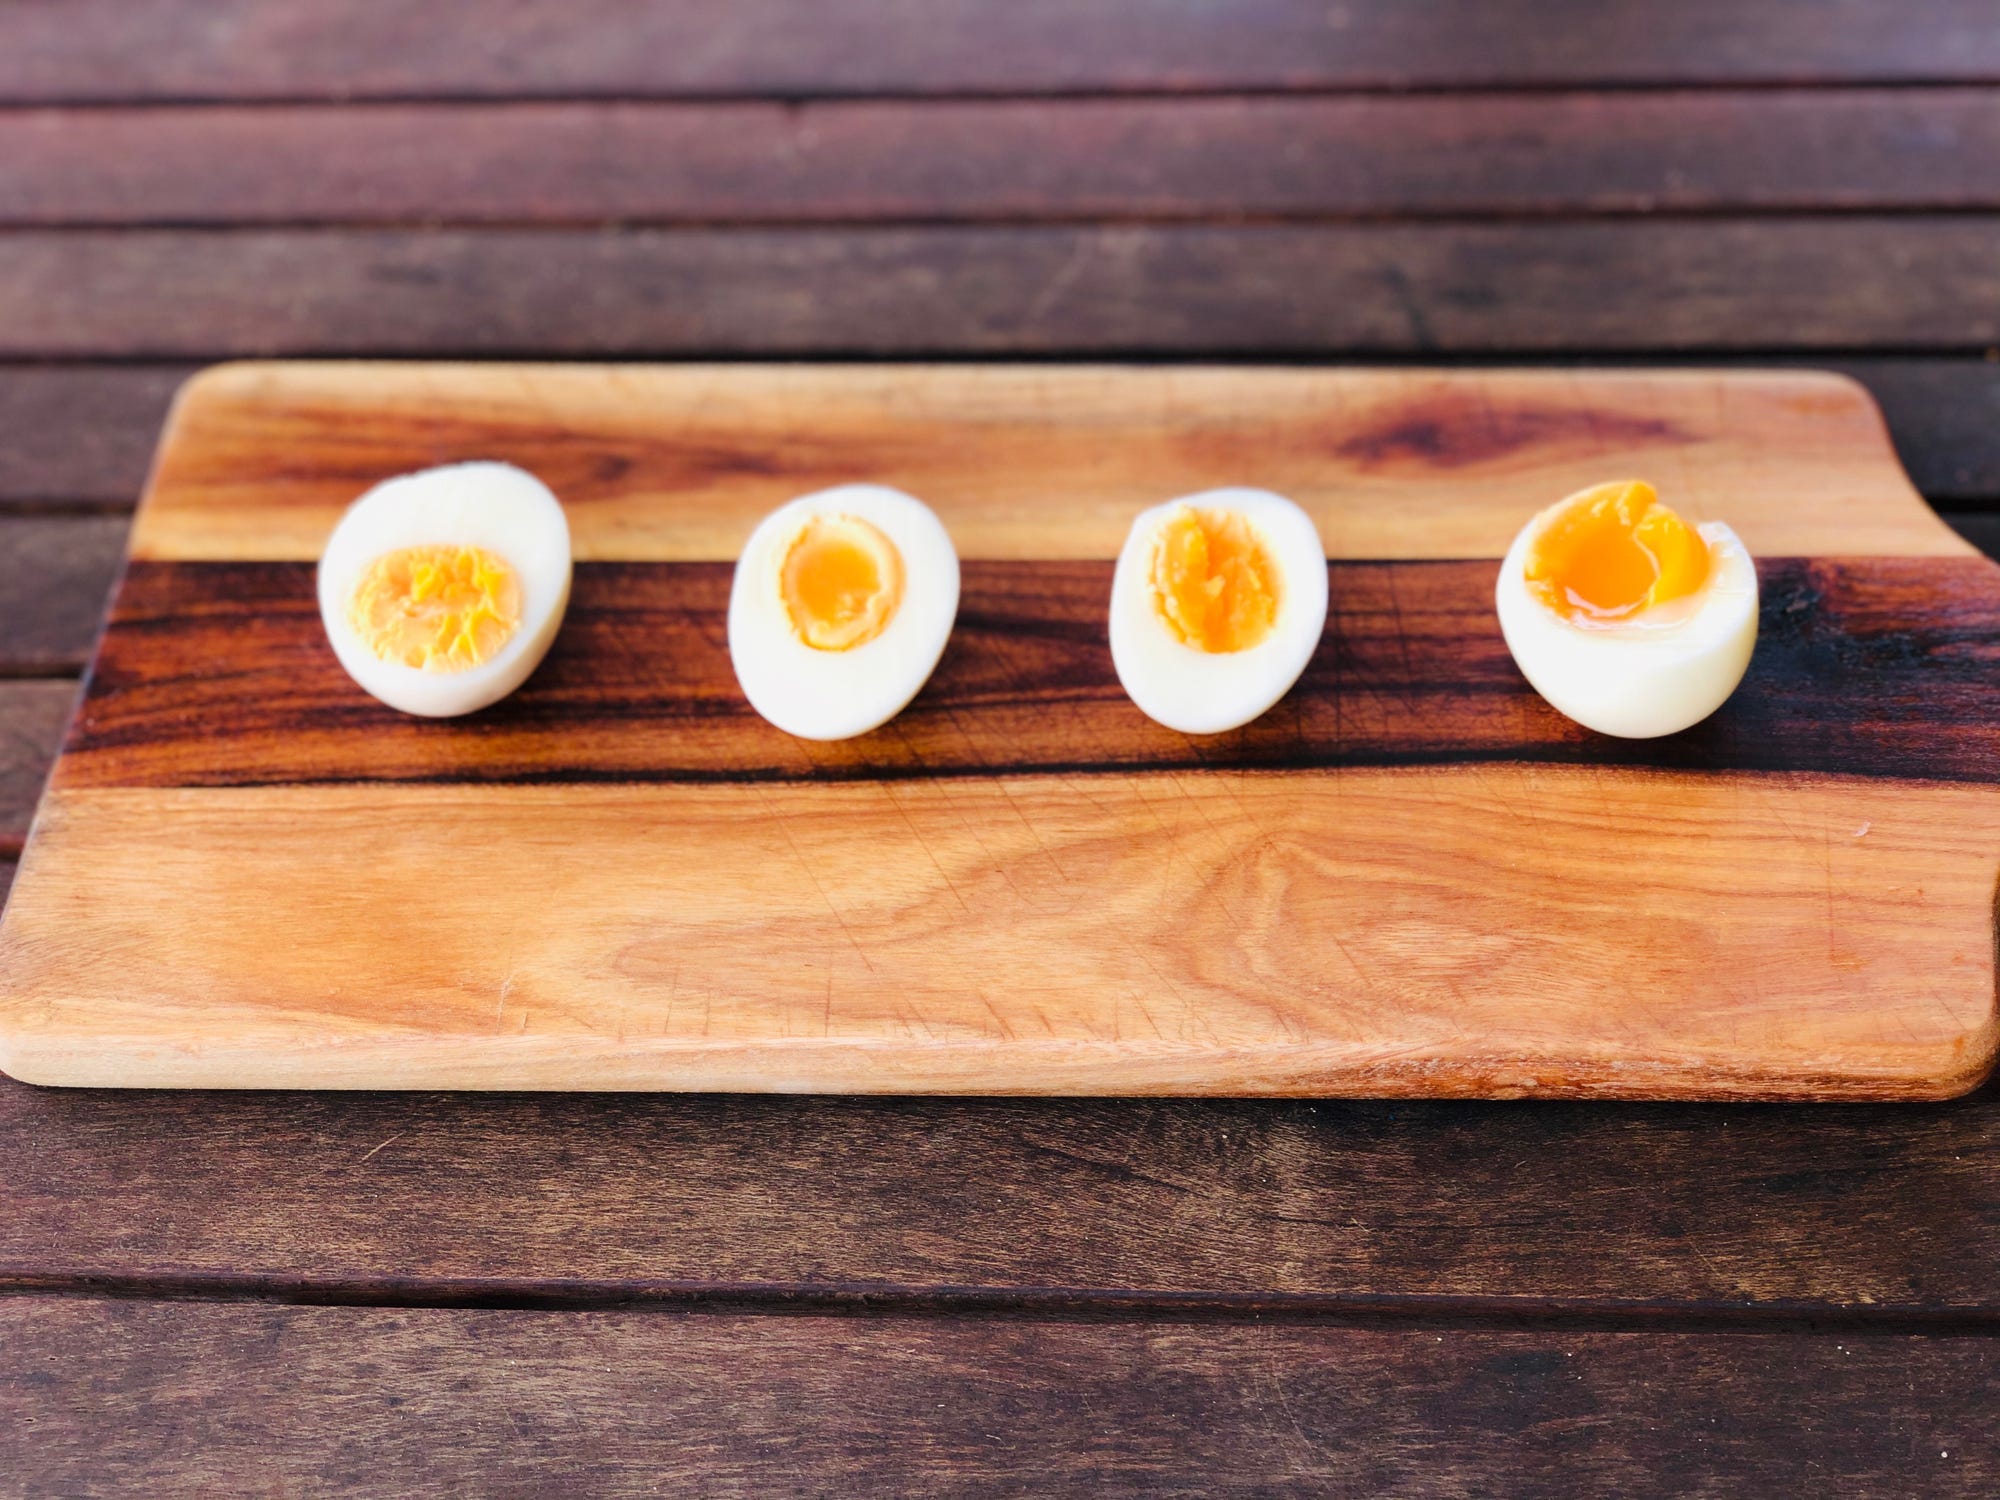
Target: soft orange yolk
842,580
1214,582
1614,552
440,608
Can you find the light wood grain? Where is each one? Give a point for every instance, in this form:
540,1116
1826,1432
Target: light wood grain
1490,931
85,434
679,462
83,437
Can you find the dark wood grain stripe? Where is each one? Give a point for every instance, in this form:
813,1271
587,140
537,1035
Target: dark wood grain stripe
988,161
239,1399
339,49
218,674
1916,281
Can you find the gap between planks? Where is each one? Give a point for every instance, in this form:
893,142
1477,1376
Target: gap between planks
1043,1304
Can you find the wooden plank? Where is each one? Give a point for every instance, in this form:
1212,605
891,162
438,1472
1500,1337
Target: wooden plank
248,1400
80,436
338,49
1905,282
1944,415
679,463
32,717
1020,160
55,577
580,1198
85,434
1223,934
218,675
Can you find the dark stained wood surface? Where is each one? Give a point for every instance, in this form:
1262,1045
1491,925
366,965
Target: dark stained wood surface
79,437
1803,225
1844,1214
1943,414
218,674
1981,529
388,1402
345,49
55,578
1012,161
32,716
1412,289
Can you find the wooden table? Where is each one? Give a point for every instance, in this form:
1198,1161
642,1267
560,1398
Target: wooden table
306,1294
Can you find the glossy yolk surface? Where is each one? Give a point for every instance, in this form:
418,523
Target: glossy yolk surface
1613,553
1214,582
842,580
439,608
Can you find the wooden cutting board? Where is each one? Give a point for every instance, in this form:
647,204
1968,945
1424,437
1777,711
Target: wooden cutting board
1412,877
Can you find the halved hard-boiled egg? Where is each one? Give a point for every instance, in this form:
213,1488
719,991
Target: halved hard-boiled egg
1217,604
1625,617
841,606
442,590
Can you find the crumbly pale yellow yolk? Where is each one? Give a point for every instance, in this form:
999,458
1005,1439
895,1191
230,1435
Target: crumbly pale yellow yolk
441,608
1615,552
841,580
1214,583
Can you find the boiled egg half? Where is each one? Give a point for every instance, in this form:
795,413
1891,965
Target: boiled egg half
841,606
1625,617
442,590
1217,604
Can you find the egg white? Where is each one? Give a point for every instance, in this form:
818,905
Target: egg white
834,695
1205,692
496,506
1636,679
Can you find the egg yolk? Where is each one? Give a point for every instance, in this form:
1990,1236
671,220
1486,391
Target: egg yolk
1214,582
842,580
439,608
1614,552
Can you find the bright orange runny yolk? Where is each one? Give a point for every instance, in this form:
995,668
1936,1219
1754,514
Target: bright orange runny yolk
440,608
841,580
1614,552
1214,582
